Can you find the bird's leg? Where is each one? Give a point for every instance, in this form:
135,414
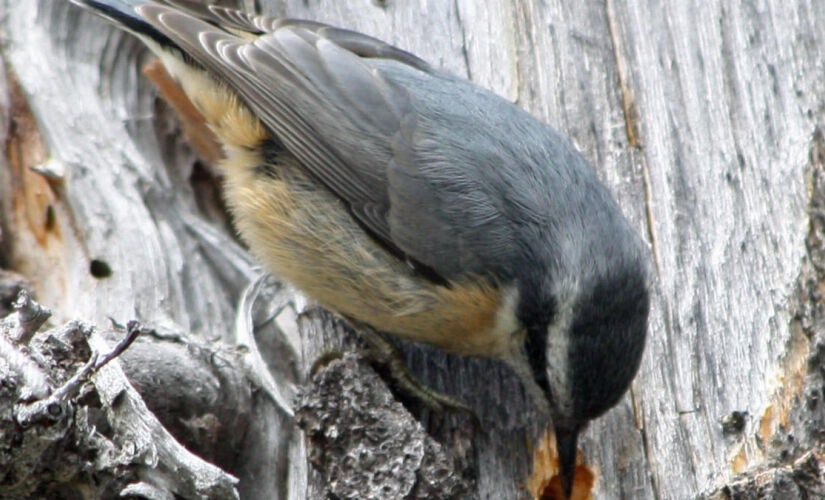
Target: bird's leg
386,354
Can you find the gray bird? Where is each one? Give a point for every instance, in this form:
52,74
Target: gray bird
412,201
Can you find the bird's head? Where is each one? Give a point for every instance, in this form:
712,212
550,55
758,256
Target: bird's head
583,344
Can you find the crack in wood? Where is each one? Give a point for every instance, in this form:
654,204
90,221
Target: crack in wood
465,54
634,138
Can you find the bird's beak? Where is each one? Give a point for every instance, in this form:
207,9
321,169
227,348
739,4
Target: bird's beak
566,446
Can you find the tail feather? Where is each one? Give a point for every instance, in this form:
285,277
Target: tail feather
122,13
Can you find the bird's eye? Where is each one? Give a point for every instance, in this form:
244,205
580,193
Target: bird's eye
535,346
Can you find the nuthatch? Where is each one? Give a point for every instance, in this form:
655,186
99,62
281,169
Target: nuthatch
413,201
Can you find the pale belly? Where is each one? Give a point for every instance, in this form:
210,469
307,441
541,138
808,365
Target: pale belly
304,235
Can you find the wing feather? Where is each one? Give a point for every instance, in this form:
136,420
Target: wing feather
327,95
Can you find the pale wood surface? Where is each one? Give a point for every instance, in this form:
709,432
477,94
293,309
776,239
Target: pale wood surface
700,117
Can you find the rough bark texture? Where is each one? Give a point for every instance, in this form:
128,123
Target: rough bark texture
70,418
705,119
366,444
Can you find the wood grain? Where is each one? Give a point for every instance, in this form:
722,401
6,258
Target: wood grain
703,118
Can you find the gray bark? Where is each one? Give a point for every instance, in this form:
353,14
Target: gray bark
704,118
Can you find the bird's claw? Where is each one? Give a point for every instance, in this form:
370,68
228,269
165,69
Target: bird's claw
386,355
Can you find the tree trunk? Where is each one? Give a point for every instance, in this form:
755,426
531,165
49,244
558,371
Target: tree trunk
705,119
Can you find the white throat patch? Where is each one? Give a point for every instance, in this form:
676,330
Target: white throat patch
558,345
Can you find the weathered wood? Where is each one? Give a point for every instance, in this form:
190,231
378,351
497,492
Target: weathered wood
704,118
69,417
366,444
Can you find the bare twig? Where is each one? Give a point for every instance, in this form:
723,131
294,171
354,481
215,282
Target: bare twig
282,392
133,329
28,317
53,406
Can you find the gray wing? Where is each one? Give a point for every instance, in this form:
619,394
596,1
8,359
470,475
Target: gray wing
413,153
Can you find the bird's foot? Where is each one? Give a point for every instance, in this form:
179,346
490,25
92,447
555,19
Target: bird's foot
390,364
324,359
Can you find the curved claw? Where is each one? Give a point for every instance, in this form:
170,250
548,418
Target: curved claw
384,352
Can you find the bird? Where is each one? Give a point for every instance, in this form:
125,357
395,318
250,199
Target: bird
414,202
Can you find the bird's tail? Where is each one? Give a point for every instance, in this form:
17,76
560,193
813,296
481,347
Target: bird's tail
123,14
